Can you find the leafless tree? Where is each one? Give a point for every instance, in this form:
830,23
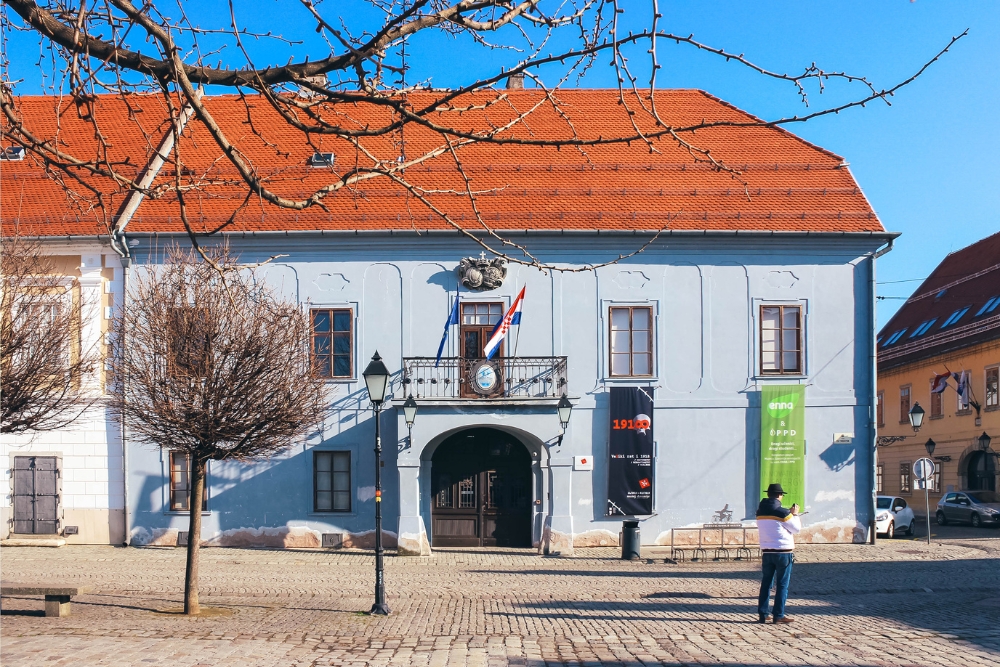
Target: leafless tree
42,361
353,88
215,365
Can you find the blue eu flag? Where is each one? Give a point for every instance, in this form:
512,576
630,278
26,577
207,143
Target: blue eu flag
452,319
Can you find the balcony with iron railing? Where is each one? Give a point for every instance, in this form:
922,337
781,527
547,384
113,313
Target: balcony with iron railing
457,378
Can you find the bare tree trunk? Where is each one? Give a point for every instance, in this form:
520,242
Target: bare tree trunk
191,606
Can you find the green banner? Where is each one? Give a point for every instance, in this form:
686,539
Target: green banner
782,441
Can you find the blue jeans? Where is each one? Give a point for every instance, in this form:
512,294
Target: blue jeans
774,566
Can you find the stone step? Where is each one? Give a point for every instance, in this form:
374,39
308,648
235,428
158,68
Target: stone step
33,541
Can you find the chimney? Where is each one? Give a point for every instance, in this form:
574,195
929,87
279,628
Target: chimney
515,81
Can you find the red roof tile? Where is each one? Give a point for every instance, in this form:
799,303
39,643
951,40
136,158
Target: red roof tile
792,185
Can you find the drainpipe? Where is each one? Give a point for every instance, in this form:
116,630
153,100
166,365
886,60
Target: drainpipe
874,389
126,263
120,245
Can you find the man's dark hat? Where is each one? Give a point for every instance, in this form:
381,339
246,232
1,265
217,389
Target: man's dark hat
775,488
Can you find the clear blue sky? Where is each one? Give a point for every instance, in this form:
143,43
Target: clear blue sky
929,164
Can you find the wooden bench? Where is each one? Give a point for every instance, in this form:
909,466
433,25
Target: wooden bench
56,597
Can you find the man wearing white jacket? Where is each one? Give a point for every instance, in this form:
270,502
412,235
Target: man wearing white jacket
776,526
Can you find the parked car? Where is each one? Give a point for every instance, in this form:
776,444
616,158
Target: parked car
980,508
892,514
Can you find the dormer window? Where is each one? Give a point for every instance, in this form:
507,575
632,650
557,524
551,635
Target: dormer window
12,153
923,328
894,337
955,317
989,306
321,160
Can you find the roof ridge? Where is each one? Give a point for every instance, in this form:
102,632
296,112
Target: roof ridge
961,280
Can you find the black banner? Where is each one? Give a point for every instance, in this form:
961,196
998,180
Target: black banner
630,448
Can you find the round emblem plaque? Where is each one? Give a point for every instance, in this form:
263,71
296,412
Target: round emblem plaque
485,379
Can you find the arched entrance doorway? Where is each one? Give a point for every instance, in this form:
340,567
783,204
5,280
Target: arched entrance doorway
981,472
481,486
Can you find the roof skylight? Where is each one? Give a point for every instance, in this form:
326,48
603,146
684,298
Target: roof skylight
12,153
923,328
321,160
989,306
955,317
894,337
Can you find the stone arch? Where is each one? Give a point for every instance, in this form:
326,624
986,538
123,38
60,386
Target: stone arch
963,464
537,451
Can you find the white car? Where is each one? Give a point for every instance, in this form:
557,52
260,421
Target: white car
892,514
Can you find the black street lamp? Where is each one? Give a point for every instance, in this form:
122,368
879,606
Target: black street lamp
410,415
916,417
984,442
377,381
929,446
564,408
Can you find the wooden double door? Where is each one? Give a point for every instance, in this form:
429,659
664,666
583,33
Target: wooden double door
481,481
36,499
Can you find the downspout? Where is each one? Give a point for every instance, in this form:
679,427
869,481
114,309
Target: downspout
873,410
127,537
120,245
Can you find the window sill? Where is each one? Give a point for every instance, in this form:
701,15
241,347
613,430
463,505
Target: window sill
186,513
937,416
331,513
963,413
991,408
631,378
784,376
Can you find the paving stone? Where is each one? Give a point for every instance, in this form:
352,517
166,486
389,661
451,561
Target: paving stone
852,604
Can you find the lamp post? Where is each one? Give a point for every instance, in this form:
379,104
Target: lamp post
929,446
564,409
410,415
916,417
377,381
984,442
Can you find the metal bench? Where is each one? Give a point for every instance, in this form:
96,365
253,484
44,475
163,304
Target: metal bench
56,597
722,548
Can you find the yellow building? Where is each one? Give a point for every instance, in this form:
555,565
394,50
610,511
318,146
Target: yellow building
947,332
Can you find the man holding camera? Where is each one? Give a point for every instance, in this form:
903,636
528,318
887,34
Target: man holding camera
776,527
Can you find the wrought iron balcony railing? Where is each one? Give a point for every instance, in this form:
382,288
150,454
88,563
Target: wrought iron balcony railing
459,378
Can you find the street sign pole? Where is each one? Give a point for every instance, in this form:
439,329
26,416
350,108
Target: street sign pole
923,470
927,508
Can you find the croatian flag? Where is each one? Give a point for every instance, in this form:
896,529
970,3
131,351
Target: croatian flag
512,317
940,383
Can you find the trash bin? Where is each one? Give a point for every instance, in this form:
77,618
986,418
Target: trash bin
630,540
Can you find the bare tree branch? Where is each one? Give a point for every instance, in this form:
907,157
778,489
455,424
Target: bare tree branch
216,366
42,361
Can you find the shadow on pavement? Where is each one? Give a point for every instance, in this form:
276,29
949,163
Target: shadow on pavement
913,593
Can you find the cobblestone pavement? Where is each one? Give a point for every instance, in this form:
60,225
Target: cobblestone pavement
901,602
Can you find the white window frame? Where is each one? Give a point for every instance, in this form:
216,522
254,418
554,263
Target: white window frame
355,479
755,314
353,306
168,482
604,340
986,370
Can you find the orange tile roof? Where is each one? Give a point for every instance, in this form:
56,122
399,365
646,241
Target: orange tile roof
792,185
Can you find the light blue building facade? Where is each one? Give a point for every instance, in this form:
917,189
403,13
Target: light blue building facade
492,466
